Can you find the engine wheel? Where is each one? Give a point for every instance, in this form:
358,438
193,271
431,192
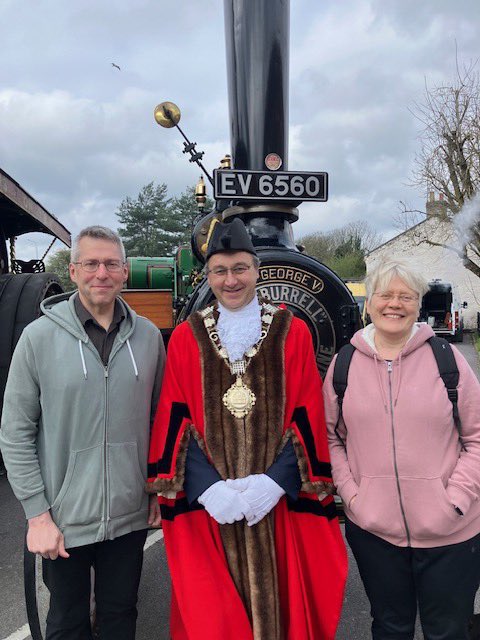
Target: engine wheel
20,298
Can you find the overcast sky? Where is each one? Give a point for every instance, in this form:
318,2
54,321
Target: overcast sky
79,135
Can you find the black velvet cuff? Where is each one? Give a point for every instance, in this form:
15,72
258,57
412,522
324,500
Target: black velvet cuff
285,471
199,473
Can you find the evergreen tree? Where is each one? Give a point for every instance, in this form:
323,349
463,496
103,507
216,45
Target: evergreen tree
185,211
148,228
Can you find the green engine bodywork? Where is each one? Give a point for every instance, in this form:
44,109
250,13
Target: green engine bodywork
176,274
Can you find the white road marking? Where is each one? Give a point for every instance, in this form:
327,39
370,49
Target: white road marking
20,634
24,632
154,537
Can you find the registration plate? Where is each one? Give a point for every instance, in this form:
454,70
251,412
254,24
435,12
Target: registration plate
232,184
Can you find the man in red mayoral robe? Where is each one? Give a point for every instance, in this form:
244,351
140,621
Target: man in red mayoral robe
240,462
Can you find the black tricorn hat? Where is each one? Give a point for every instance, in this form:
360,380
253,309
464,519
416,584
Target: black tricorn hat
230,236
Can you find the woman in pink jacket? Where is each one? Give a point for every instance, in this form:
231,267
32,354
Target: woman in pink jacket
409,484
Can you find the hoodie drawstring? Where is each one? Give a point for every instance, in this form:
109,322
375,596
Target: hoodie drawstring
132,358
397,386
84,365
380,383
80,347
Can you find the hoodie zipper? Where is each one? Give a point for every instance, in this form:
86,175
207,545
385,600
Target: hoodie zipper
106,478
395,465
106,475
105,457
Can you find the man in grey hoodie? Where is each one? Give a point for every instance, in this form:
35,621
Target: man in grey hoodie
82,387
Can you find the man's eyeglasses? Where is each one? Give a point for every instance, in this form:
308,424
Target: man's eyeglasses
90,266
388,297
238,270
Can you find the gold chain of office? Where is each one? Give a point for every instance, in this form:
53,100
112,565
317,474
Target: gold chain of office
239,398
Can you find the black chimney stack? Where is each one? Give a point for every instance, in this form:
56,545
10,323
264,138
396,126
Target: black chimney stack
257,45
257,42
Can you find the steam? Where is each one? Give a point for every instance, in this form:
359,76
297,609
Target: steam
464,223
467,218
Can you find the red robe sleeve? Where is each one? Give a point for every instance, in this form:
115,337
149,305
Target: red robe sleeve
171,427
304,411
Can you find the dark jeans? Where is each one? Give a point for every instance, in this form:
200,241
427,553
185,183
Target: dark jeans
442,580
118,566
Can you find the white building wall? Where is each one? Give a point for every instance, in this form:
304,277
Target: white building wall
433,262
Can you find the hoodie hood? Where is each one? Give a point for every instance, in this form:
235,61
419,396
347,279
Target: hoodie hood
61,309
363,340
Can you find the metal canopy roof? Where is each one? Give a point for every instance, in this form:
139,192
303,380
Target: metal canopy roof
20,213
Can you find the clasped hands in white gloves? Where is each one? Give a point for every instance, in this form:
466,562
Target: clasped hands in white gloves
232,500
224,504
260,492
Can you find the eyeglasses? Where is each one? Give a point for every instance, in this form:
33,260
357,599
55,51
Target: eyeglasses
402,297
90,266
238,270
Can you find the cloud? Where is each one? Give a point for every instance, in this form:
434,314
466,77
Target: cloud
80,136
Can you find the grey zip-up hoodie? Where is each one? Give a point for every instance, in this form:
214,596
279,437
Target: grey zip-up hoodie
75,433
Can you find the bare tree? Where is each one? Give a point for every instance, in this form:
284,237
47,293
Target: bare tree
448,164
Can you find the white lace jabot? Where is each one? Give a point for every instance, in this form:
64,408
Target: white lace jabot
240,329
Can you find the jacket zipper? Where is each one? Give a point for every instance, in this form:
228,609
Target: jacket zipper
117,345
106,478
407,530
105,457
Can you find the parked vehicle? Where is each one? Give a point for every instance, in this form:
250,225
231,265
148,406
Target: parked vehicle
442,310
358,291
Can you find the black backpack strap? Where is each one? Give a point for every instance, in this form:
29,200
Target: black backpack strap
340,379
448,370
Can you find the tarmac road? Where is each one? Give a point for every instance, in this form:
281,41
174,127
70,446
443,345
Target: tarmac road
154,594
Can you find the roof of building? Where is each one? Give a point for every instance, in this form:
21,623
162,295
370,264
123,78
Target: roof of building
20,213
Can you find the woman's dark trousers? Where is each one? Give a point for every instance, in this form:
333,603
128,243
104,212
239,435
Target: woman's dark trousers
441,581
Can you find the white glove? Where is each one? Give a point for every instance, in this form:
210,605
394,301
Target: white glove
260,491
224,504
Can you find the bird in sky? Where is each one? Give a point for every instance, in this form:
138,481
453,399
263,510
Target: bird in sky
116,66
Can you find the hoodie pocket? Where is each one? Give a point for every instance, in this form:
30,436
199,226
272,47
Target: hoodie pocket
127,482
80,498
377,508
429,512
